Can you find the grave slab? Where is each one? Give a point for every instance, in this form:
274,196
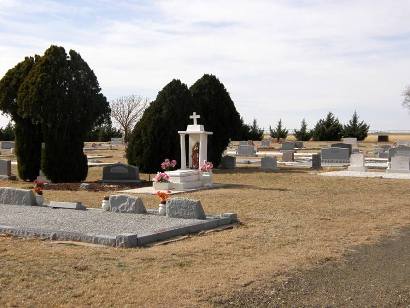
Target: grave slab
100,227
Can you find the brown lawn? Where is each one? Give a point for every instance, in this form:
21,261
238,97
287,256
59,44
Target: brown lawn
290,220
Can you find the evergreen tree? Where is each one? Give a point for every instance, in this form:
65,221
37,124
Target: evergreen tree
355,128
328,129
155,137
255,132
27,133
218,114
303,134
279,132
62,93
8,133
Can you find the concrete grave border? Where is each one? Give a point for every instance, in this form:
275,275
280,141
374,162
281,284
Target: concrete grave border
127,240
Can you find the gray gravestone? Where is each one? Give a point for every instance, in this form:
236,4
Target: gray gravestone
316,161
17,196
117,141
357,163
67,205
399,151
289,145
399,164
228,162
5,169
7,145
246,150
265,143
243,142
184,208
288,155
269,163
120,173
335,156
343,145
126,204
299,144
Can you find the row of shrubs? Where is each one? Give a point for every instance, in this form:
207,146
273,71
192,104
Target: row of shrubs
326,129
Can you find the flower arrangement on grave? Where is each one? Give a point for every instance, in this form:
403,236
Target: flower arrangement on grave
168,165
163,196
161,177
38,187
207,166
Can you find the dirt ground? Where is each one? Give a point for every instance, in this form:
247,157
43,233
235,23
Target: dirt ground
291,221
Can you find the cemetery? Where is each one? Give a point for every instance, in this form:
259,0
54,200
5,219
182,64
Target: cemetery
177,197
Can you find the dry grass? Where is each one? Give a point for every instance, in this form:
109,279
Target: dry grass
290,220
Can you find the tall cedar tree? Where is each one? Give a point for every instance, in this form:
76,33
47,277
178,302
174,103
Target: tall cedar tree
328,129
303,134
279,132
355,128
27,134
8,133
218,114
254,131
62,93
155,137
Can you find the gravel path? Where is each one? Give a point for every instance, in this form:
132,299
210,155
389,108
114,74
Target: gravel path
92,222
372,276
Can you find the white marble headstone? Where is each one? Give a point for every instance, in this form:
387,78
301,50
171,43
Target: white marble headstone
357,163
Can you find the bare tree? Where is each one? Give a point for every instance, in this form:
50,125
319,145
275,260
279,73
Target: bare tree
127,110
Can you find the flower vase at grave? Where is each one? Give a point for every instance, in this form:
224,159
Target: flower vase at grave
162,185
162,208
207,178
105,204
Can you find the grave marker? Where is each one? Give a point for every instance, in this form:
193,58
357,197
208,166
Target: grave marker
269,163
316,162
120,173
399,164
246,150
228,162
5,169
335,156
343,145
288,145
288,156
357,163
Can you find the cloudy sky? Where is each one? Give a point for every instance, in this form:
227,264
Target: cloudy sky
278,59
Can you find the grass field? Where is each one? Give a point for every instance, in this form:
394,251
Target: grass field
290,220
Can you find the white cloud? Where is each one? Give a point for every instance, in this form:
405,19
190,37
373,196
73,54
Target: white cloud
278,59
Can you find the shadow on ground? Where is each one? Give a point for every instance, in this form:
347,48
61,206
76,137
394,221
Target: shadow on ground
370,276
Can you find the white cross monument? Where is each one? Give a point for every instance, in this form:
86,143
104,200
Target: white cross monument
196,134
185,178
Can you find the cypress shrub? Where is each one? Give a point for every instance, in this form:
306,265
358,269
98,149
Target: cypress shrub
218,114
155,137
62,93
27,135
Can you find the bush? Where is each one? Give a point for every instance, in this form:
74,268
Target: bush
303,134
252,132
155,137
218,114
356,129
279,132
62,93
27,135
328,129
7,133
